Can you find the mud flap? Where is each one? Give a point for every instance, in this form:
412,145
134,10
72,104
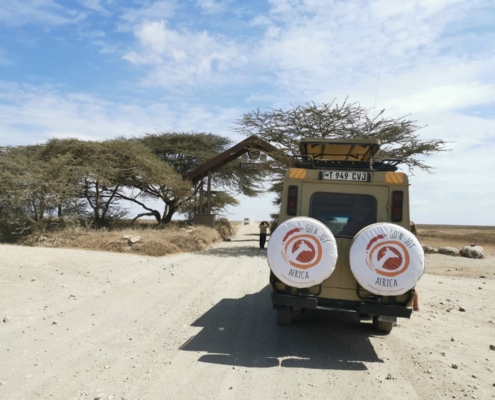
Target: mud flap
387,318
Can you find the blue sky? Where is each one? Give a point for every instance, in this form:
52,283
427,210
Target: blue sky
97,69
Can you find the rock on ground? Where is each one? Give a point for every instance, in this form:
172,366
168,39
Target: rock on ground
449,251
429,250
472,252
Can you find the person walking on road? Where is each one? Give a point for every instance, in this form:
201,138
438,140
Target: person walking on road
263,228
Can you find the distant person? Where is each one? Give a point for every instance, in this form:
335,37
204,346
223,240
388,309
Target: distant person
263,228
414,230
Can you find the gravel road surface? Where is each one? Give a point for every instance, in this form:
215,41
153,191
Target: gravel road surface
91,325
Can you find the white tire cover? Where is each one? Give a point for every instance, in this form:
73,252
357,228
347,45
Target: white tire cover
386,259
302,252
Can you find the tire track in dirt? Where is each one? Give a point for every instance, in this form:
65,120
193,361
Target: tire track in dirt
412,371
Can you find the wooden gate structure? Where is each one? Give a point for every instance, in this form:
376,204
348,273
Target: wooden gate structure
205,217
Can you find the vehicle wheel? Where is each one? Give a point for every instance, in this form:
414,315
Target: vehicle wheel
382,326
284,316
404,265
315,258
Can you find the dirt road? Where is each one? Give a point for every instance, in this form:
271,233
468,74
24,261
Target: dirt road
92,325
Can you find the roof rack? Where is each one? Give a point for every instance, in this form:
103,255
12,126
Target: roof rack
343,154
308,162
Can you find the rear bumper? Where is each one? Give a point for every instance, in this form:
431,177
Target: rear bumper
281,301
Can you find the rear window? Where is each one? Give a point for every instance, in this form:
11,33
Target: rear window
344,214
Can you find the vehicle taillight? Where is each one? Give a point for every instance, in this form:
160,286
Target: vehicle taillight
397,201
292,201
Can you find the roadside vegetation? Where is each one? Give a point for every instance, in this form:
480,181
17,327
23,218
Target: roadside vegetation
70,185
150,239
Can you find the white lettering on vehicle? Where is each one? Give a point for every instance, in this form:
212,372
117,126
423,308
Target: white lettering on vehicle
298,274
386,282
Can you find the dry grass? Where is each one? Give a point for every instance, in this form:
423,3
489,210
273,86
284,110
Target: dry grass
153,241
225,228
456,236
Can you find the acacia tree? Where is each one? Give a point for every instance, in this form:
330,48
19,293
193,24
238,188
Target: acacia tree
32,185
285,128
107,172
183,152
91,176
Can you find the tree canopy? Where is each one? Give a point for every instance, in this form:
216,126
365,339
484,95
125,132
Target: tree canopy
98,179
183,152
285,128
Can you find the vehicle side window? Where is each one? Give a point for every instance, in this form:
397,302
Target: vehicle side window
344,214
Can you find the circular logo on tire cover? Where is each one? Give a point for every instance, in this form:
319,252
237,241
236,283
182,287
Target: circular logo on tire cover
302,252
386,259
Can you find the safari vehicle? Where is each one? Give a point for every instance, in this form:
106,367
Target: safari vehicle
247,221
343,241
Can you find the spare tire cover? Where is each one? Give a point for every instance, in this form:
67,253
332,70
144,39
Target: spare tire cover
302,252
386,259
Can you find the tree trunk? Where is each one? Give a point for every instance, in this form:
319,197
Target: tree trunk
168,216
153,213
97,203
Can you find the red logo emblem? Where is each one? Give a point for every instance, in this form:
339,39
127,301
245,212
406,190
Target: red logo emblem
387,257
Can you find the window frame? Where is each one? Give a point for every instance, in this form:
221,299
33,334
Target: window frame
371,216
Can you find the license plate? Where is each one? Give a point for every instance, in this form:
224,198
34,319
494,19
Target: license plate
345,176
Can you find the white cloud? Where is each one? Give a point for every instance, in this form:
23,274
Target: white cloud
183,59
96,6
156,10
212,6
321,41
307,45
31,114
41,12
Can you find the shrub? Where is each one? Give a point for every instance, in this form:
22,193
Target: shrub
224,228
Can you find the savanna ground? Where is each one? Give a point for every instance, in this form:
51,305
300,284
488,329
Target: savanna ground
83,324
457,236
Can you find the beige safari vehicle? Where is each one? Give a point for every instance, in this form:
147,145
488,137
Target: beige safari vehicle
355,212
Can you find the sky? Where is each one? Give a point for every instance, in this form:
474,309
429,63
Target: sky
98,69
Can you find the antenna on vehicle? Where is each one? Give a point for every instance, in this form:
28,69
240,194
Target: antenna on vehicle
377,81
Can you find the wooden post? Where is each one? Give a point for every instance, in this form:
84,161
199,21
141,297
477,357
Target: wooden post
195,207
201,197
209,193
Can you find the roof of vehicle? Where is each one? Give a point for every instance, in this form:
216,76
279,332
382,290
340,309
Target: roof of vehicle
340,149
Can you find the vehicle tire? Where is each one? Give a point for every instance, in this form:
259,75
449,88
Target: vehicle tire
382,326
302,252
284,316
386,259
